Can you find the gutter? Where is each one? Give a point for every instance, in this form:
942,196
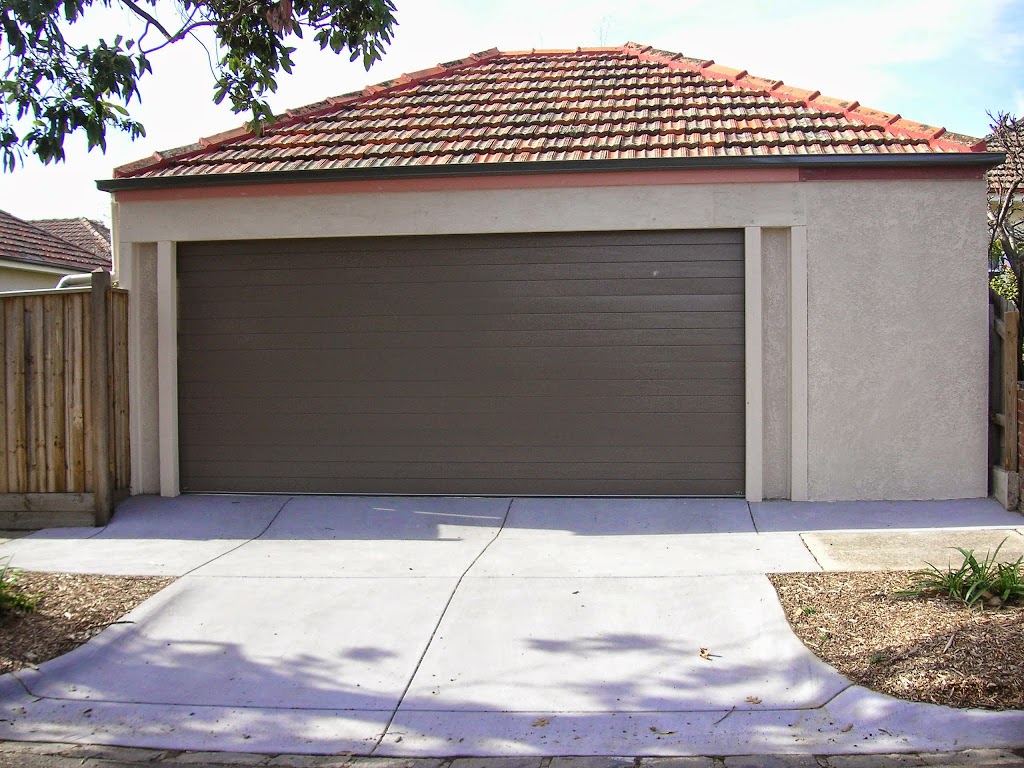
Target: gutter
454,170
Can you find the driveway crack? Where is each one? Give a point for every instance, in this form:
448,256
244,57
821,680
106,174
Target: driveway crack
437,626
247,541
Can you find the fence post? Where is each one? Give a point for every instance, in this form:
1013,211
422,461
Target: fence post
100,390
1011,349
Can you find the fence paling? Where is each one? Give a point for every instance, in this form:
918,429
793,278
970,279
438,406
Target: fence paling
63,404
1005,321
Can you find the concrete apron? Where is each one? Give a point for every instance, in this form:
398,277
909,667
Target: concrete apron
438,627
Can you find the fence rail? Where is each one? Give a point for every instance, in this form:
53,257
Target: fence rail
63,404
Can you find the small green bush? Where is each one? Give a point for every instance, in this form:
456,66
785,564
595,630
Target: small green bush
1003,282
11,597
975,582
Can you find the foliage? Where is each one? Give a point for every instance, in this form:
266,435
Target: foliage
52,88
1005,284
985,581
1006,222
11,597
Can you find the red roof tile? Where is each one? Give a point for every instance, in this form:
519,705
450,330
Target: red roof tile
86,233
25,242
632,102
1006,175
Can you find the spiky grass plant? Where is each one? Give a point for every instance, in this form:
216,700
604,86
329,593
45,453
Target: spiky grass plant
975,582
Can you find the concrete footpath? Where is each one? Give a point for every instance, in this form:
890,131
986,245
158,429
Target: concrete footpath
424,628
39,755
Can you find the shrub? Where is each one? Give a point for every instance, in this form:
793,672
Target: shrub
974,582
12,598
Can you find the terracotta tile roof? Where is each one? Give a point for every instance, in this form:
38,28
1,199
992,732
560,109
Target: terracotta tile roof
86,233
1002,176
625,103
30,244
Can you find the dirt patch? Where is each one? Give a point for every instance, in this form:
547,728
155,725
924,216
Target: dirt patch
928,649
71,608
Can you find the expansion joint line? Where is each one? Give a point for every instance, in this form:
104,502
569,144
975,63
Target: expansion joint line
247,541
437,626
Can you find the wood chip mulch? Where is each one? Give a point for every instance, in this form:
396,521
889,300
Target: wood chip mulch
71,608
928,649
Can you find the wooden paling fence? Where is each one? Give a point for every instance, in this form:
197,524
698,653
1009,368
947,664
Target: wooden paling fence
64,400
1004,348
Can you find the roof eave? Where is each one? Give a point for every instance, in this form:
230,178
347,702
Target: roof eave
934,160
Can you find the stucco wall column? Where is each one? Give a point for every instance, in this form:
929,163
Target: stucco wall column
167,364
755,357
798,456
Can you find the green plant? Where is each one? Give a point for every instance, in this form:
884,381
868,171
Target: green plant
974,581
11,597
1005,284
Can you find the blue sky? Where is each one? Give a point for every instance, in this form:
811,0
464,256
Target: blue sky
943,62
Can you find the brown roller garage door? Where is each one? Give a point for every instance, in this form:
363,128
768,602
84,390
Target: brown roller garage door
591,363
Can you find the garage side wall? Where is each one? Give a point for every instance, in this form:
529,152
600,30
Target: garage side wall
896,339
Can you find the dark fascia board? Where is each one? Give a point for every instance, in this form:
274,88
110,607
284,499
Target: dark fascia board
938,159
43,262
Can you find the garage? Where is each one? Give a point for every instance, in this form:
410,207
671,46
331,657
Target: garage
588,272
597,363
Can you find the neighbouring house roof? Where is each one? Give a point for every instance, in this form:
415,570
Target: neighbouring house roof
1000,177
25,242
590,105
86,233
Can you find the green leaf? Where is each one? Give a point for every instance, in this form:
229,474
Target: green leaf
66,89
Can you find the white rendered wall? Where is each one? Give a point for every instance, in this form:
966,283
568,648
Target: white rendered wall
884,389
897,340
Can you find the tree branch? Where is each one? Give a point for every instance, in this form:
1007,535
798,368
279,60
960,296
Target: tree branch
142,12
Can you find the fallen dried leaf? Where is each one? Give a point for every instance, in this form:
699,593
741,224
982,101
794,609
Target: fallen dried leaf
753,700
846,728
540,722
661,733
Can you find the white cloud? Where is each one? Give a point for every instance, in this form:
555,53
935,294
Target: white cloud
876,51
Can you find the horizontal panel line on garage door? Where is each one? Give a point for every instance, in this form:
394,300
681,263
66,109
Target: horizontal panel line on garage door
193,408
369,307
654,371
446,487
460,387
696,349
611,253
326,293
539,322
475,404
468,338
476,244
478,451
215,451
479,440
452,251
388,470
507,362
639,429
389,275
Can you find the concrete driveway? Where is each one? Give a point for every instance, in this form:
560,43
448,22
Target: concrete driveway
472,626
